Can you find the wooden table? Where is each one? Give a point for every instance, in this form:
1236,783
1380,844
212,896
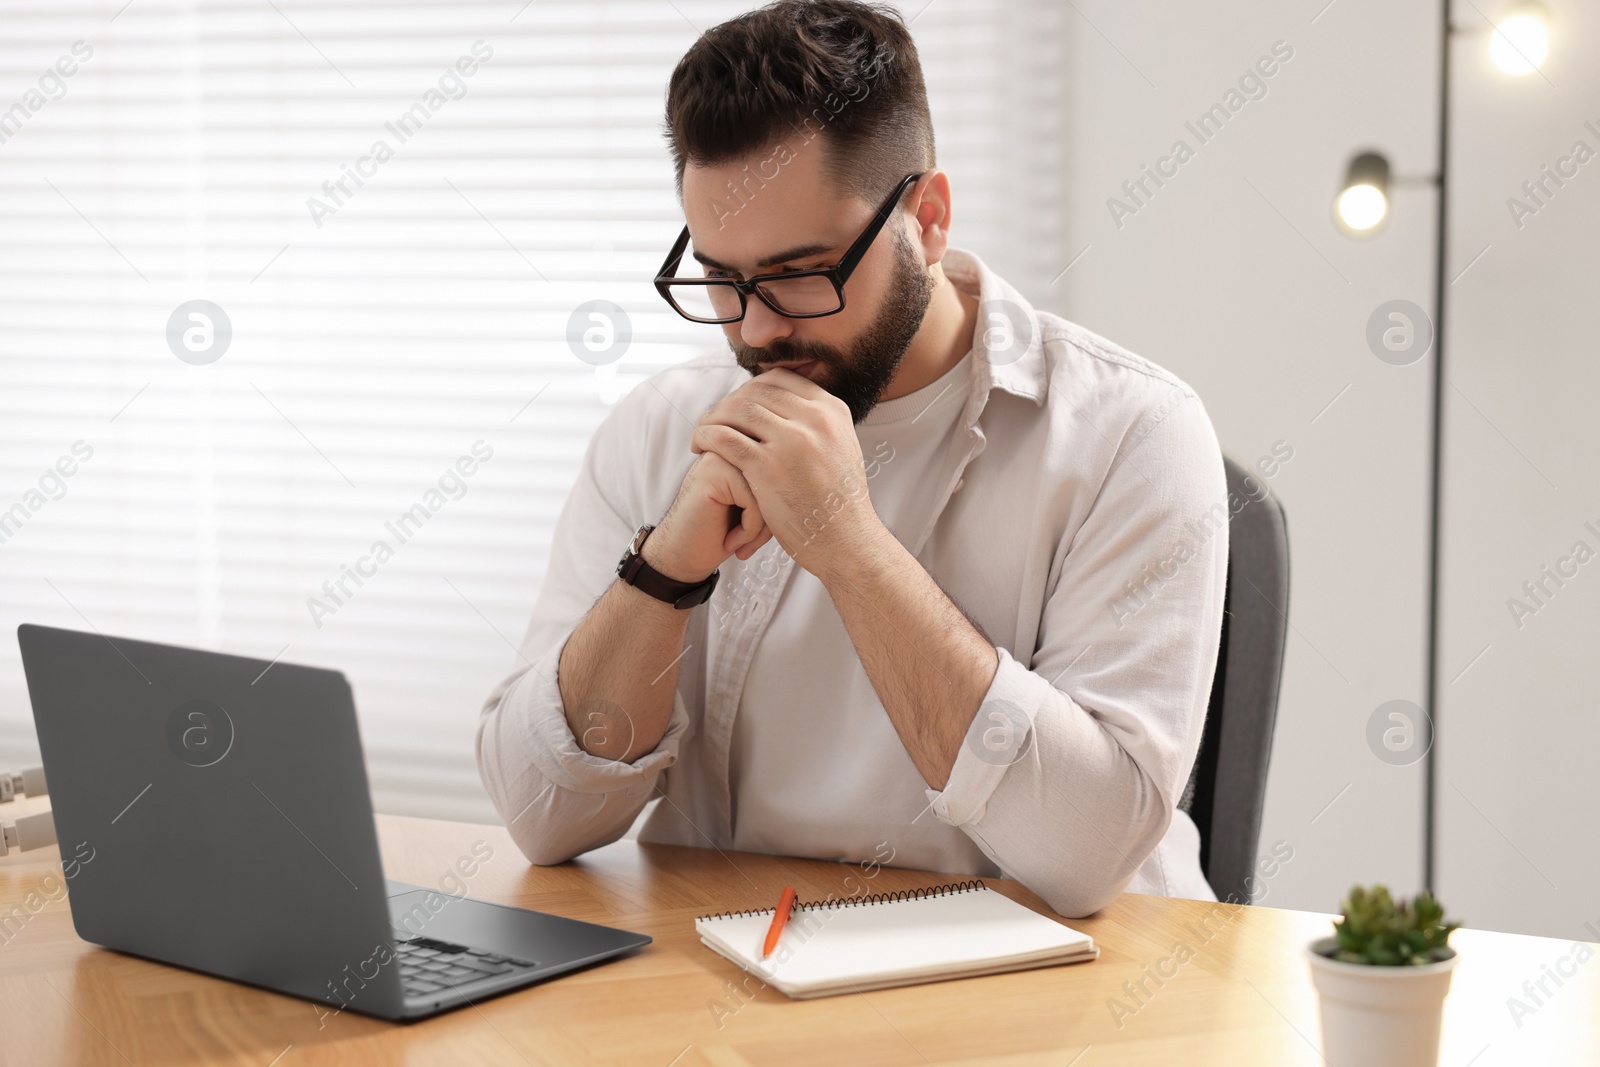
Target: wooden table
1243,998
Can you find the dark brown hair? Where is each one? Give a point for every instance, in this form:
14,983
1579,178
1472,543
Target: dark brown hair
786,72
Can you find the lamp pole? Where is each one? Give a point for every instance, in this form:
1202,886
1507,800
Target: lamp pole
1435,518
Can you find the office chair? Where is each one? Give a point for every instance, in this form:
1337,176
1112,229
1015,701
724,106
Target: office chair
1227,788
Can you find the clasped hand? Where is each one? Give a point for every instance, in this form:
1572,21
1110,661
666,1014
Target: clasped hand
796,446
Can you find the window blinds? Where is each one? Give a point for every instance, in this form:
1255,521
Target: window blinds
285,281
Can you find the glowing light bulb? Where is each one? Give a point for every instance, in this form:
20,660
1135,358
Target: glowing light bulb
1361,207
1521,41
1363,201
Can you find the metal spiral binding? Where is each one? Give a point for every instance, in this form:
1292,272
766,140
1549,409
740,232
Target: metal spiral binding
894,896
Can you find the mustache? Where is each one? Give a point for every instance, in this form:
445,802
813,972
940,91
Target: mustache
783,350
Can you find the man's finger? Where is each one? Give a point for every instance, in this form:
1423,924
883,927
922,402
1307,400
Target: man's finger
750,525
777,381
727,442
753,547
797,384
750,522
747,414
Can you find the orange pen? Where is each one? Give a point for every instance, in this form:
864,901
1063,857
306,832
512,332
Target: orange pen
779,917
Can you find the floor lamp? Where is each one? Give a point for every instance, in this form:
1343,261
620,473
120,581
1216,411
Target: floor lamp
1518,44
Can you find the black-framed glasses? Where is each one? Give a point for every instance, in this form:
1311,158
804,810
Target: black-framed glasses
797,294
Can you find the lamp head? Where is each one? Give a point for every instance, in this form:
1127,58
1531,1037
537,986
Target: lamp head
1521,39
1363,203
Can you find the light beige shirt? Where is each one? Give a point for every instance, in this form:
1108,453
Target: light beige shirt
1075,509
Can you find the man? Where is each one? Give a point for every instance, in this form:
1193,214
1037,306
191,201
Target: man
934,578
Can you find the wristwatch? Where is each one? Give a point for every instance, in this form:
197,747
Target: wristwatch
636,572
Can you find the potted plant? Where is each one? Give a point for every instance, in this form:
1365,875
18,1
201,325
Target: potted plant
1381,980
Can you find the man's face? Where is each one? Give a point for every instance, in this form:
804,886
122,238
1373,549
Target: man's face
798,220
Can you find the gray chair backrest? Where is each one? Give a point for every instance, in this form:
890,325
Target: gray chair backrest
1227,788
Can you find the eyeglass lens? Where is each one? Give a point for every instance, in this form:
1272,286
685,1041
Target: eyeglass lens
796,296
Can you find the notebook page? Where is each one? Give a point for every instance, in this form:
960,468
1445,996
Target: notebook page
924,937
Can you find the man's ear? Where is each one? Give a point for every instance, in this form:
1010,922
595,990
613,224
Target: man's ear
929,225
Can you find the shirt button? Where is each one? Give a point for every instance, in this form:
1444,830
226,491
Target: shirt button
959,483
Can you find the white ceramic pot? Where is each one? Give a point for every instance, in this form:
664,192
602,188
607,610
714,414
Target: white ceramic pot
1379,1016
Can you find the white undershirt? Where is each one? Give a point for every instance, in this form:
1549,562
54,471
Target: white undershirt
816,767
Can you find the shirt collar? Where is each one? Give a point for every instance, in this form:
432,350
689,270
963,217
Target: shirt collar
1006,334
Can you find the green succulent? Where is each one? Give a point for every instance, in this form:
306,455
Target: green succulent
1375,930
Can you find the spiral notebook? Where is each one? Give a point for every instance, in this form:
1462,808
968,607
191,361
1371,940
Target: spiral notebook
893,939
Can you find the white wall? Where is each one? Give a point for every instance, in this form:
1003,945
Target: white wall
1234,276
1518,731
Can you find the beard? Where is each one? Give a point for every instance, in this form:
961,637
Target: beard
860,376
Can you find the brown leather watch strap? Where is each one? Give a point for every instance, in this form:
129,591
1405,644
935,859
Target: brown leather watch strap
636,572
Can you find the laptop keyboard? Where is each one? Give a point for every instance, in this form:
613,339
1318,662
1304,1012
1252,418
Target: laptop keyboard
428,966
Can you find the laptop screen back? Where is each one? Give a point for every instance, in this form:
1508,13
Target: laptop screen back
222,803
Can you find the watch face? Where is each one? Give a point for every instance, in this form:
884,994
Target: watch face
633,547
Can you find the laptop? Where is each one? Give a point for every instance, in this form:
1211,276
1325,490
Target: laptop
215,812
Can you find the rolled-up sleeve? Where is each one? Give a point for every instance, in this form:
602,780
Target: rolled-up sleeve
556,799
1071,770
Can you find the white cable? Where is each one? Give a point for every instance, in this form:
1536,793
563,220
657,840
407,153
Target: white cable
28,832
30,783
